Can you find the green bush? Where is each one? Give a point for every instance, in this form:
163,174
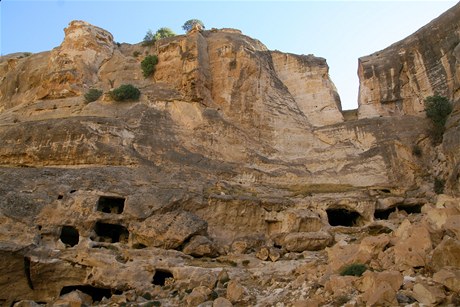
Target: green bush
125,92
164,33
148,65
136,54
439,185
150,38
355,269
92,95
437,108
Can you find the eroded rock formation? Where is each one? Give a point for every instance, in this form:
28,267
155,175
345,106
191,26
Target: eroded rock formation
235,178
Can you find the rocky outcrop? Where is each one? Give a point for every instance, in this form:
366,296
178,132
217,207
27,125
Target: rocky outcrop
396,80
307,79
233,180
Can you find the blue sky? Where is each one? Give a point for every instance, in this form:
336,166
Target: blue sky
340,31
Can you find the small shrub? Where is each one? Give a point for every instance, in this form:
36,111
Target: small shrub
136,54
148,65
92,95
437,108
125,92
416,151
439,185
164,33
149,38
355,269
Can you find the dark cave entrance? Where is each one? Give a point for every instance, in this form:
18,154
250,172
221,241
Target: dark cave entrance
69,235
111,233
97,294
160,277
110,204
342,217
409,209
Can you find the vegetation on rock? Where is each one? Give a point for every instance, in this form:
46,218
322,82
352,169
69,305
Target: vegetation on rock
148,65
437,108
150,38
92,95
355,269
126,92
190,24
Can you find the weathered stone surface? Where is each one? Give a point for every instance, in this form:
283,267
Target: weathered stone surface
412,246
446,254
397,79
430,295
235,292
74,298
305,77
198,296
230,147
449,277
221,302
200,246
302,241
380,288
168,230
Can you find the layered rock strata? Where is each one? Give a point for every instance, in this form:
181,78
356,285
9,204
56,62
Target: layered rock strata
234,170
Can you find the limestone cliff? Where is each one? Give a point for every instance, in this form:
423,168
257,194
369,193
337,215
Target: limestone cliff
397,79
235,164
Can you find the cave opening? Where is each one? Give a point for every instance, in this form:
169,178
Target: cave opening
111,233
383,214
97,294
342,217
69,235
409,209
110,204
160,276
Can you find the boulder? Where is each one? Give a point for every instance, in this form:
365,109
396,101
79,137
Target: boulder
380,288
340,285
247,244
311,241
200,246
263,253
412,245
235,291
449,277
429,295
198,295
221,302
75,298
274,254
446,254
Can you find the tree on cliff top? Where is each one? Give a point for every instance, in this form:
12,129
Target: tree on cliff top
190,24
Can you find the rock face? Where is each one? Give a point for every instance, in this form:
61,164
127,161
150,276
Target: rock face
234,179
396,80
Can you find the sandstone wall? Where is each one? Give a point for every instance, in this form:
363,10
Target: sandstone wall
396,80
307,79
